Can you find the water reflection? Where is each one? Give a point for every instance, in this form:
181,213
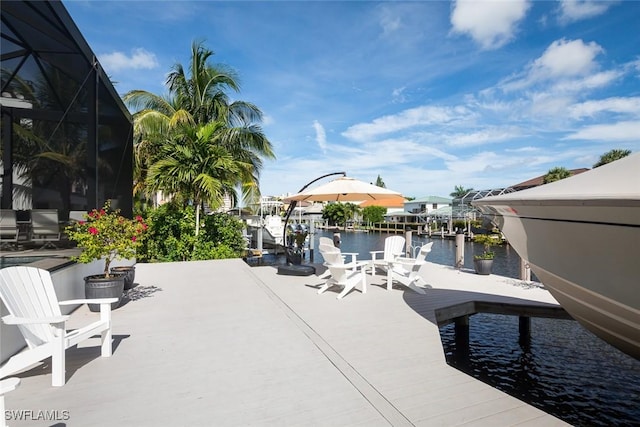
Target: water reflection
566,371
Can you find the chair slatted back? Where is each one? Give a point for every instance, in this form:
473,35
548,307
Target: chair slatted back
422,256
28,292
335,262
77,216
44,222
325,241
8,225
393,247
331,254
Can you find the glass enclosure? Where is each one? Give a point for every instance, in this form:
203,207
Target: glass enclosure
66,135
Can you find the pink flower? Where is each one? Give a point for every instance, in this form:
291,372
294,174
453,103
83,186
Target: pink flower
133,239
93,230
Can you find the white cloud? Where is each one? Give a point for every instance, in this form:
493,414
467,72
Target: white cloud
621,131
576,10
486,136
321,136
492,24
609,105
567,58
561,61
419,116
389,22
398,95
140,59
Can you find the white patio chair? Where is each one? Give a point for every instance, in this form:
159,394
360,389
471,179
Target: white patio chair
28,294
341,274
393,248
9,230
45,227
77,216
406,270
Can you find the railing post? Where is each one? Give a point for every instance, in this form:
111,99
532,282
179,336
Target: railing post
525,270
459,249
524,327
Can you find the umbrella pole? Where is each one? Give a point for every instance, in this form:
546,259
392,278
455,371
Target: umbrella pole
293,204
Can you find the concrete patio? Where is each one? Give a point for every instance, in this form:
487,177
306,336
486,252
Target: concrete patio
219,343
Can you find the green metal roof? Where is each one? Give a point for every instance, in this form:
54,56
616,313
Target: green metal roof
431,199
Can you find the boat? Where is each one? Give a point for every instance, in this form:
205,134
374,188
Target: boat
581,237
267,228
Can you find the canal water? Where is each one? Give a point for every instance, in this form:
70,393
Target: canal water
565,370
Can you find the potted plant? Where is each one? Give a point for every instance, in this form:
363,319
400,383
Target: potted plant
295,252
484,261
106,235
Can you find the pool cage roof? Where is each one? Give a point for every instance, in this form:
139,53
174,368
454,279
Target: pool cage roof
461,206
41,45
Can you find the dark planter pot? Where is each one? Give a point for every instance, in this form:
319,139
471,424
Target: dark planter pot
293,257
129,272
98,286
483,266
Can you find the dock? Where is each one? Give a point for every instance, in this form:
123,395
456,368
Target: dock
220,343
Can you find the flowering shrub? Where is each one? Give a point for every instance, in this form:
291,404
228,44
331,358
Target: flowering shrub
107,234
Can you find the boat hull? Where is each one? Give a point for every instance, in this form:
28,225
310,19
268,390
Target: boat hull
581,237
271,227
596,283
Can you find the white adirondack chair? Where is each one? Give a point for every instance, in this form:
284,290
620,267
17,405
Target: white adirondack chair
406,270
28,294
346,275
393,248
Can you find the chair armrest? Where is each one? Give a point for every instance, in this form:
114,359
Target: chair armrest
408,261
13,320
8,385
361,264
88,301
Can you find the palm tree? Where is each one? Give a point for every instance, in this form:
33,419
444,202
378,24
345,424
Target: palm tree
197,98
193,166
556,174
611,156
351,211
460,191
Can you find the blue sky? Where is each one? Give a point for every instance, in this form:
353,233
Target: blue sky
428,95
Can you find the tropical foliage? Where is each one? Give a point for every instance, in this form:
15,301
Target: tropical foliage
611,156
196,122
460,191
105,234
373,214
171,236
556,174
380,182
337,213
